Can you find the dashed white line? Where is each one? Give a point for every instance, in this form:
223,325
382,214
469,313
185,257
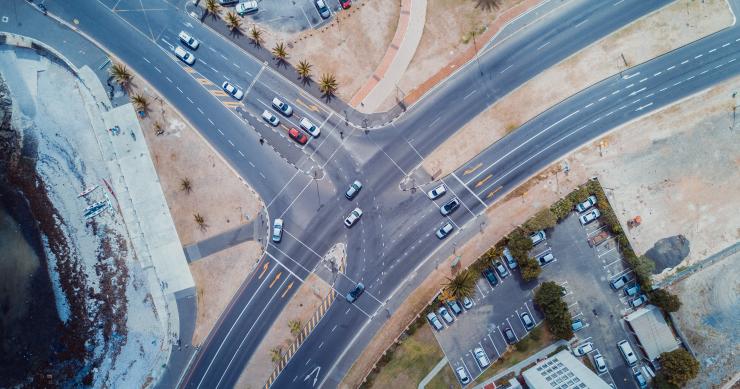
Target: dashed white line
470,94
157,69
224,57
737,40
643,80
726,44
543,45
698,56
584,21
191,101
211,121
603,98
690,78
672,67
589,104
677,84
201,111
637,91
657,74
685,62
168,79
147,61
732,60
251,164
237,66
615,92
507,68
240,153
713,50
649,96
704,72
663,90
618,2
180,90
231,143
629,86
718,66
220,132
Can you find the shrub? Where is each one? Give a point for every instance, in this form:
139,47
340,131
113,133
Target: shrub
519,244
679,366
548,297
643,268
665,300
530,268
543,220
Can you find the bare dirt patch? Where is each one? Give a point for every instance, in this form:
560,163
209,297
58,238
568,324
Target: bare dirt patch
217,278
670,27
302,307
181,153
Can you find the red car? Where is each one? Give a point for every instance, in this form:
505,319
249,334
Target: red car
345,3
298,136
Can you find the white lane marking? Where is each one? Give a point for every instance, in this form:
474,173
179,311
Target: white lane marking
699,56
237,66
663,89
685,62
643,107
201,111
643,80
190,100
726,44
168,79
615,92
704,72
507,68
180,90
649,96
251,164
603,98
157,69
718,66
231,143
584,21
589,104
618,2
713,50
677,84
629,86
657,74
637,91
470,94
224,57
240,153
543,45
732,60
436,120
147,61
690,78
222,134
737,40
211,121
630,76
672,67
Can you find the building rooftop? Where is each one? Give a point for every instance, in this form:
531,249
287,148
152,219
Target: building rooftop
652,331
562,371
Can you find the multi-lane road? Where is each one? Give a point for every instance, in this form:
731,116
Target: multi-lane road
393,247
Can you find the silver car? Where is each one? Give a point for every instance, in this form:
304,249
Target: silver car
445,315
589,217
284,108
277,230
246,7
538,237
600,363
445,230
322,8
481,357
590,202
184,56
434,321
270,118
353,217
437,192
188,40
462,375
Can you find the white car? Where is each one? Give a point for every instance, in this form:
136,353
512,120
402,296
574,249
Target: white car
445,230
538,237
184,56
246,7
462,375
600,363
277,230
270,118
353,217
188,40
590,202
467,303
481,357
583,349
232,90
545,259
589,217
437,192
322,8
310,127
434,321
284,108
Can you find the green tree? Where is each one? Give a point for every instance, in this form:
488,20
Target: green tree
463,285
255,34
121,75
328,84
295,327
276,354
279,52
519,244
212,7
665,300
548,297
679,366
542,220
185,185
548,293
141,103
643,268
304,70
530,268
233,22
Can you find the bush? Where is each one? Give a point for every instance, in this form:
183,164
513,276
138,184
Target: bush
679,366
530,269
519,244
665,300
548,297
542,220
643,268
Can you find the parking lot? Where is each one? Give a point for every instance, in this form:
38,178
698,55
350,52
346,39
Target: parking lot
292,16
584,271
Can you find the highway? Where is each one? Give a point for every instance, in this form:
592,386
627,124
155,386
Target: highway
392,248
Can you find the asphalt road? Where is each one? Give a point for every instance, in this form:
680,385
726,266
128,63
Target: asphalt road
392,248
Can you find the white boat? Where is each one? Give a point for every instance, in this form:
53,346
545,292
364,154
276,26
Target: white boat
87,191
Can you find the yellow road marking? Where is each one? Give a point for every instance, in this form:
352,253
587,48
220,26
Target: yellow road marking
493,192
232,104
311,107
483,181
277,277
287,289
188,69
217,92
472,169
264,269
283,126
204,81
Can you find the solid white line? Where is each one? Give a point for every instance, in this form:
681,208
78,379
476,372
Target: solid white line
543,45
470,94
507,68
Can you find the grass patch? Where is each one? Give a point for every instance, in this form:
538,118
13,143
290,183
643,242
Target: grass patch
536,340
445,379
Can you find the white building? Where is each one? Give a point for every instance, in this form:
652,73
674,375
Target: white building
562,371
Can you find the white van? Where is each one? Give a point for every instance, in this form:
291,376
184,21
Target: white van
627,353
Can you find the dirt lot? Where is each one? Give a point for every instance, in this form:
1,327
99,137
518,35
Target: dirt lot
691,160
301,307
448,32
708,318
640,41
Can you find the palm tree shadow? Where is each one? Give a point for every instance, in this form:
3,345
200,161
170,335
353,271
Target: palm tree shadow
236,33
281,62
488,5
328,97
306,81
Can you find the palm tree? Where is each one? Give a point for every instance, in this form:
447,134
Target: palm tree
295,327
212,7
200,221
304,70
233,22
328,84
255,34
158,130
463,285
279,52
276,354
186,186
140,102
121,75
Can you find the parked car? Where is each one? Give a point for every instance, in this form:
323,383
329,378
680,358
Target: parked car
636,302
227,2
434,321
277,230
501,269
455,307
632,290
600,363
188,40
626,349
322,8
589,217
449,206
618,283
577,325
270,118
353,217
437,192
310,128
590,202
510,337
467,303
527,320
488,273
184,56
445,315
345,3
641,382
353,190
462,375
445,230
509,259
297,136
538,237
284,108
246,7
481,357
545,259
232,90
355,293
583,349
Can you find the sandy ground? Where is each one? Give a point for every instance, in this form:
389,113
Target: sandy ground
640,41
448,31
691,158
350,46
182,153
217,278
301,306
708,319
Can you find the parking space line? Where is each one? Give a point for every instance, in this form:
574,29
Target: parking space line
464,365
512,329
528,311
480,290
607,252
494,345
455,194
609,264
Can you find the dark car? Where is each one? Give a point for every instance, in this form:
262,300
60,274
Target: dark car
227,2
455,307
488,273
449,207
345,3
297,136
355,293
509,334
527,320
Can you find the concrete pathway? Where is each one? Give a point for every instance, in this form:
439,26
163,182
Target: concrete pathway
440,365
396,59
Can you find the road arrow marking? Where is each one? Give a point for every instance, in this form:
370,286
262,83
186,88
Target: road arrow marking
316,370
277,277
472,169
310,107
264,269
493,192
483,181
287,289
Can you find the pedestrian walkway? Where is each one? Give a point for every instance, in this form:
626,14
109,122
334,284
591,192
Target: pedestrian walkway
441,364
